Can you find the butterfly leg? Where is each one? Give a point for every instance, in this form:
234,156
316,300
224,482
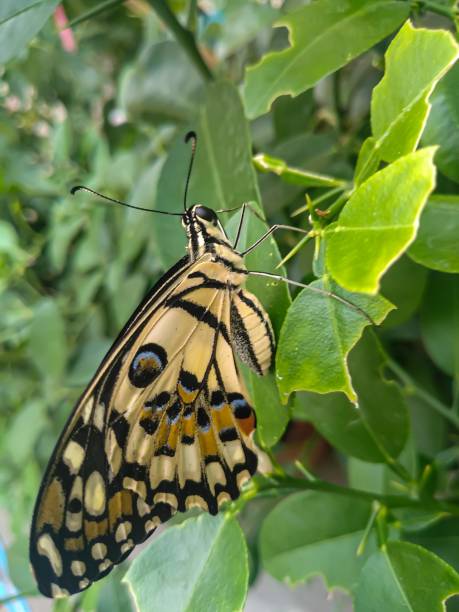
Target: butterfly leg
270,231
314,290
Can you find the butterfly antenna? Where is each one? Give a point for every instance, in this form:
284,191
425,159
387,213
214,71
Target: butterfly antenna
194,141
115,201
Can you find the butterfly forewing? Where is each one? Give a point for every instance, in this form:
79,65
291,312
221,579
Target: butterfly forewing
165,424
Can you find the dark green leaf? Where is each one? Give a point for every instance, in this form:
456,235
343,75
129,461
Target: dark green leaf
436,244
314,30
404,577
403,284
442,127
440,322
377,428
314,533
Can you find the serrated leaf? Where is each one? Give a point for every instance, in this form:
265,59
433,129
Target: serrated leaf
404,577
198,565
317,335
312,533
379,222
324,36
20,21
399,105
376,429
436,244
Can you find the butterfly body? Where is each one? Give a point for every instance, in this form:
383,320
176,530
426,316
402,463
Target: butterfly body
164,425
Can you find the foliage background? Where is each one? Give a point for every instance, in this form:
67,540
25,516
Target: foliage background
107,104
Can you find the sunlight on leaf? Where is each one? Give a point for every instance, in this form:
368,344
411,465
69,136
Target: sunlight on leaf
324,36
317,335
379,222
182,567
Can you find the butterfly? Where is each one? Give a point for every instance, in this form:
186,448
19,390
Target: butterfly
166,422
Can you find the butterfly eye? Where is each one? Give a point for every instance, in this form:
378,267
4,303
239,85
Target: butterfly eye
206,213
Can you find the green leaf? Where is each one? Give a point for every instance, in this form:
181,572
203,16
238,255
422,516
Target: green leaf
442,538
266,163
317,335
442,127
379,222
47,341
223,175
323,36
312,533
367,161
163,84
440,322
20,21
403,285
436,244
272,415
24,431
198,565
404,577
399,105
169,239
376,429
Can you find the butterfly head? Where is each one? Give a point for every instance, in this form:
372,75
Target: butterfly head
203,229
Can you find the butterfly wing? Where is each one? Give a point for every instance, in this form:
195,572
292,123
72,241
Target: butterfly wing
164,426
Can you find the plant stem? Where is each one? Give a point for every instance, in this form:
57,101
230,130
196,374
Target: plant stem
391,501
183,36
412,388
94,12
433,7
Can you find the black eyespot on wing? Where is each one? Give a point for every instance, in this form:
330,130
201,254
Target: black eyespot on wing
239,405
206,213
203,420
148,363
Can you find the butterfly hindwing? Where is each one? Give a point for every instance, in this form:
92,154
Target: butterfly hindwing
165,425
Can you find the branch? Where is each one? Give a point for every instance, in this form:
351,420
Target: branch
434,7
183,36
412,388
283,484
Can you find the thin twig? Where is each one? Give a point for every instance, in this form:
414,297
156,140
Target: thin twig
183,36
412,388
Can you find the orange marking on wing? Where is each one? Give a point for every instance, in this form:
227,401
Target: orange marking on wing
247,425
208,443
223,418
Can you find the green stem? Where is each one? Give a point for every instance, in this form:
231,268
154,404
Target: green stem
433,7
94,12
318,200
183,36
336,207
412,388
287,483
